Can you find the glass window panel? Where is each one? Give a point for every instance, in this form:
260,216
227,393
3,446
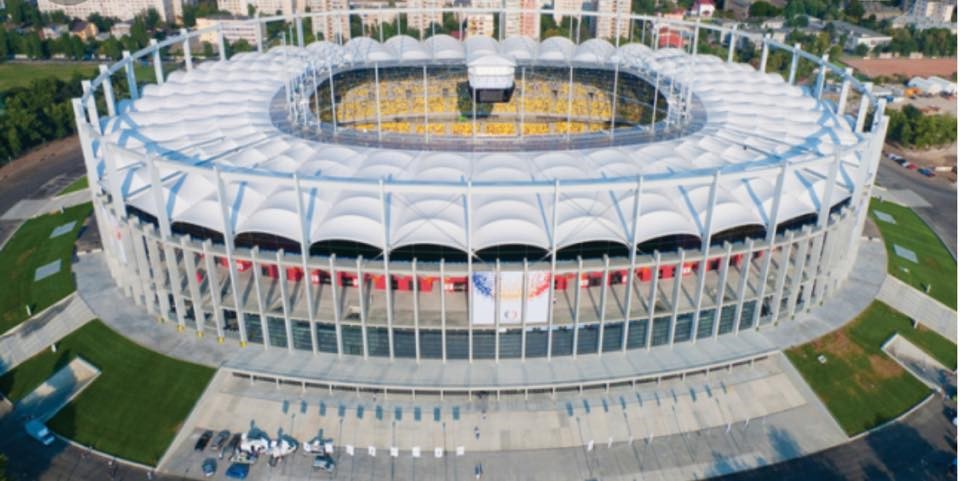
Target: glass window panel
562,342
705,326
352,338
612,336
277,332
327,338
510,343
254,329
301,336
588,338
404,343
378,341
746,315
537,343
684,327
727,314
637,335
457,347
484,344
661,331
431,344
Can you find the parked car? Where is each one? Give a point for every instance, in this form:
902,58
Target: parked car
209,467
324,462
203,441
219,440
238,471
232,445
926,172
911,166
38,431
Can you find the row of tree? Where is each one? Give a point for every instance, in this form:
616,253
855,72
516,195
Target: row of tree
911,128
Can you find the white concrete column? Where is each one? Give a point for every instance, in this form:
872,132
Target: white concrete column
131,76
335,298
258,32
864,106
299,26
157,64
745,268
213,288
196,300
604,289
443,313
142,290
552,289
187,59
844,91
258,291
523,309
91,107
696,37
764,53
157,272
497,288
285,299
363,309
721,288
107,86
388,284
783,265
799,260
653,297
221,43
416,308
822,75
469,222
304,261
228,236
794,63
632,276
576,311
706,239
733,44
677,289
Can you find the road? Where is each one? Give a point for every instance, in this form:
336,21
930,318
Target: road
941,195
917,449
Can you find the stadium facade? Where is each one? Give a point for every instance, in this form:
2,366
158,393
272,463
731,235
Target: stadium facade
345,199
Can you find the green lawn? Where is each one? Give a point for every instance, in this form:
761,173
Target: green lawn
133,409
936,266
20,74
860,385
76,185
31,247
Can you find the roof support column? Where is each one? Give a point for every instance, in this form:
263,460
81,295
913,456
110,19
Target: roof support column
677,289
569,101
221,43
745,268
696,37
783,266
285,299
470,319
388,281
794,63
443,312
821,76
732,45
107,86
523,98
656,95
335,297
553,266
844,91
764,53
416,310
333,99
523,309
823,223
722,288
131,76
473,98
304,256
426,107
653,298
91,108
705,236
632,275
258,32
213,288
187,59
196,300
299,27
614,98
258,290
576,308
773,220
363,309
604,289
157,64
228,243
864,106
497,303
799,261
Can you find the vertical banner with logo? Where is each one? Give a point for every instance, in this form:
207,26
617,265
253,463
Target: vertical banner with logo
510,287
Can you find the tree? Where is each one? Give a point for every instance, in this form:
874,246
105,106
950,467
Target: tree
854,10
862,50
762,9
251,9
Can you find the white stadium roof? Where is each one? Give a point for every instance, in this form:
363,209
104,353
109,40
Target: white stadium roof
218,115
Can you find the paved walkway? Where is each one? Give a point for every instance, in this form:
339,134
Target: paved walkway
925,309
97,288
921,364
51,396
38,333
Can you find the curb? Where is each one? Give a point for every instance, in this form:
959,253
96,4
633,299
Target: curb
104,455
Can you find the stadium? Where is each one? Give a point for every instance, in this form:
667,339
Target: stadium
481,200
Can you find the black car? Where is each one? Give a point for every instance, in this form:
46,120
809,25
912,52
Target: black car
219,440
203,441
232,445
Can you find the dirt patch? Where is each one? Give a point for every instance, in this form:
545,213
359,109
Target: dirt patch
838,345
908,67
882,367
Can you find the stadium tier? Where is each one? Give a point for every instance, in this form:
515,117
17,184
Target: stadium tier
353,198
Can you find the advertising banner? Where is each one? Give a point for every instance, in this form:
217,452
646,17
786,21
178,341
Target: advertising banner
512,304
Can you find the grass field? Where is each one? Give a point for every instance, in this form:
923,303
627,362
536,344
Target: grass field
133,409
936,266
31,247
860,385
76,185
20,74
